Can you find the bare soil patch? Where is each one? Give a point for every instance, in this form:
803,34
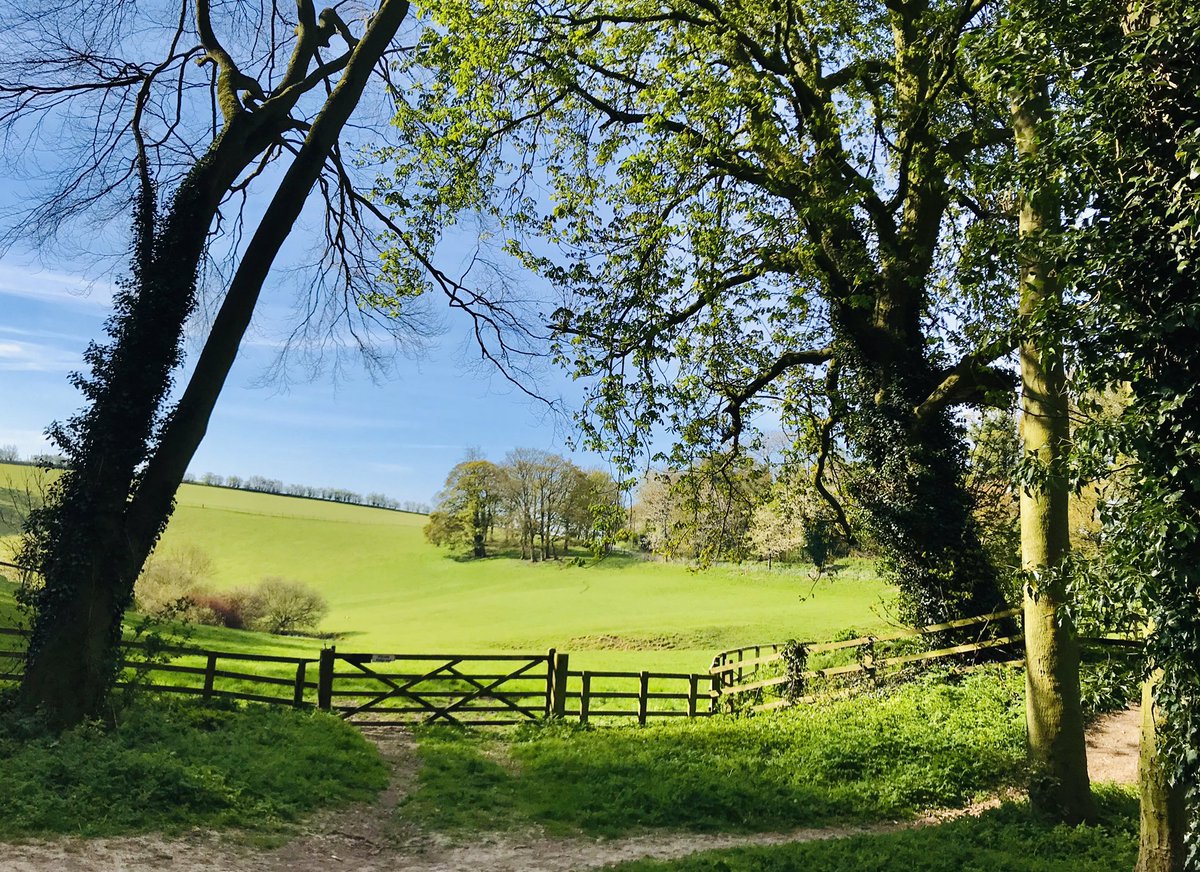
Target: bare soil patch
1112,747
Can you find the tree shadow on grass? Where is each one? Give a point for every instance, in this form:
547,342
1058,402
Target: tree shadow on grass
1005,839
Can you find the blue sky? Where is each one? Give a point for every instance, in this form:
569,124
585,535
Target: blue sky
399,436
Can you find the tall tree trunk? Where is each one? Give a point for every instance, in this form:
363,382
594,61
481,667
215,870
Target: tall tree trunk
78,541
1059,787
91,540
1163,808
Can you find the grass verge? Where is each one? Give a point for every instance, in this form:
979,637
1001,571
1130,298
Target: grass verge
1007,839
877,756
169,765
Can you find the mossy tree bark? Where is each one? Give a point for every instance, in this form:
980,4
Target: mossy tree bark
1161,845
1059,787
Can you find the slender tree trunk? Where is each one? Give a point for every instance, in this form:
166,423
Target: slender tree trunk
1161,845
90,542
1059,784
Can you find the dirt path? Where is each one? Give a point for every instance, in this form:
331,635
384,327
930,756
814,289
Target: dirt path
370,838
1113,747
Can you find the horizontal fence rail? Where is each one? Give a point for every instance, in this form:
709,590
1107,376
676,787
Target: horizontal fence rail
766,682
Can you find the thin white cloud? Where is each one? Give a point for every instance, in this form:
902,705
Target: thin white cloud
37,357
45,286
70,338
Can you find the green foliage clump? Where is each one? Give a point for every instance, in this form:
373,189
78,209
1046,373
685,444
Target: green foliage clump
1007,839
168,765
281,605
927,744
174,585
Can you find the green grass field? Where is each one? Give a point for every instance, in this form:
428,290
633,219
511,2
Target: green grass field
390,591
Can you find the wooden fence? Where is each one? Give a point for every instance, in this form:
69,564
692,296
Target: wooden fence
766,681
758,677
200,672
641,695
505,689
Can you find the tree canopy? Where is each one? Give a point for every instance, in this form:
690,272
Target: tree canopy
749,206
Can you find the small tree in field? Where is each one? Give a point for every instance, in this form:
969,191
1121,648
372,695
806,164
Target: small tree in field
467,506
444,529
774,532
281,605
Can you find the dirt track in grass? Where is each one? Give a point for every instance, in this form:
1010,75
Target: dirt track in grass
370,838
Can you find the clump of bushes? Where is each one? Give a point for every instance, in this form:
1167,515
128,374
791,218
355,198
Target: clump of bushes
171,582
280,605
175,586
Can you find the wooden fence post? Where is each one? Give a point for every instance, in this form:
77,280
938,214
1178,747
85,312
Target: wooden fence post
560,684
643,699
868,658
325,679
585,696
210,676
714,701
693,693
550,658
298,690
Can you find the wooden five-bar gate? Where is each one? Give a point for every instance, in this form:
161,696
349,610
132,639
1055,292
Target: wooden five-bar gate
460,689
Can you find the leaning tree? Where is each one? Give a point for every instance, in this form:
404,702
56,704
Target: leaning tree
215,126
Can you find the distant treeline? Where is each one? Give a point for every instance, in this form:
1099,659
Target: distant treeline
265,485
11,454
261,484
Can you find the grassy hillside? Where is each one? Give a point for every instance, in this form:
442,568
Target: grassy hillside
391,591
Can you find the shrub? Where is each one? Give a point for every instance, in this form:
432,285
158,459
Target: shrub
172,582
174,586
281,605
221,610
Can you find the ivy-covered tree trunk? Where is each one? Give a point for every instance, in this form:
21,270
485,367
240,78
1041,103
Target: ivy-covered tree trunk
913,493
1059,784
127,455
80,541
899,403
1161,846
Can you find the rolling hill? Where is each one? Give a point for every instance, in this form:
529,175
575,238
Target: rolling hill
390,591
